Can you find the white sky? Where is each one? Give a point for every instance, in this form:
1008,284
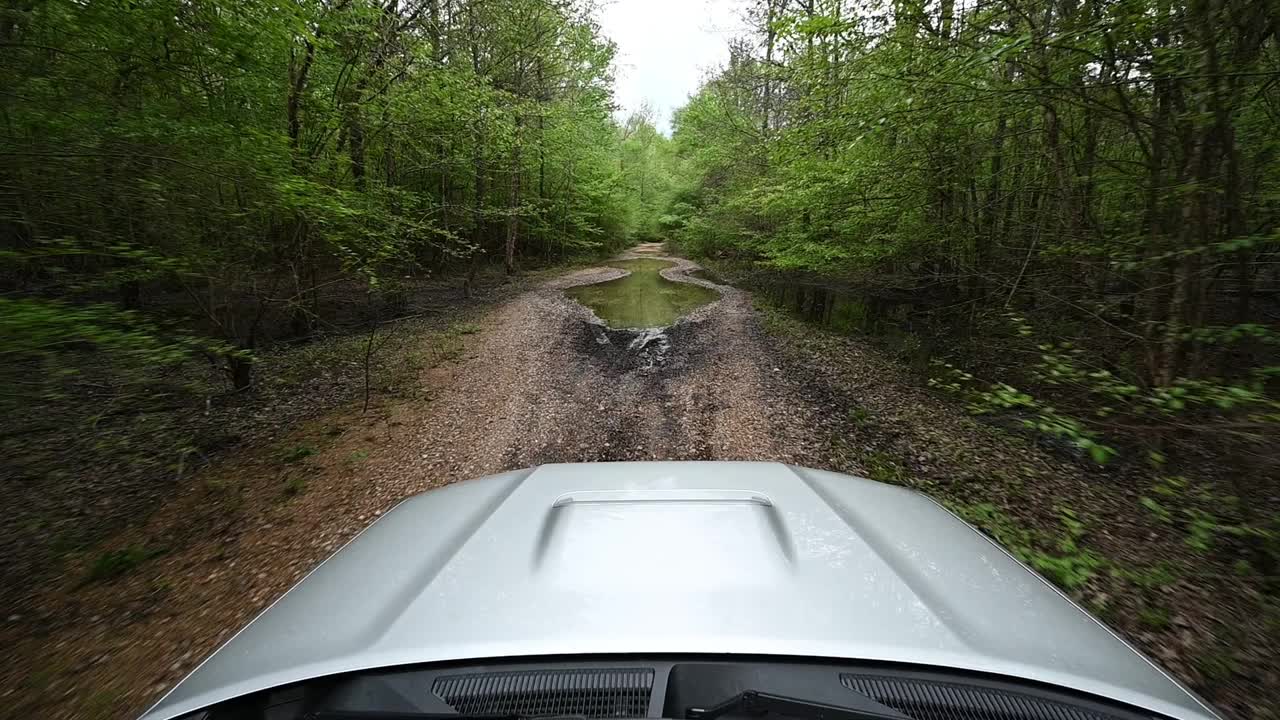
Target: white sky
665,48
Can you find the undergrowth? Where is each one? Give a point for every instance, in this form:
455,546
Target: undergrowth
114,563
1061,557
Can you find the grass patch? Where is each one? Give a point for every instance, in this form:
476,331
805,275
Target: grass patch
101,704
223,490
113,564
443,347
1154,617
294,485
1271,615
881,467
39,679
297,454
860,417
220,486
1216,665
776,321
447,345
1157,576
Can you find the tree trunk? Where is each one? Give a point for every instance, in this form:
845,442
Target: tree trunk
240,370
770,38
513,203
355,138
477,215
297,86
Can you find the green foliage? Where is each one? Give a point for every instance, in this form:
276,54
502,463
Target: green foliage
1156,508
645,171
987,161
999,397
1156,577
447,346
115,563
44,344
1209,519
1106,400
1061,365
216,167
1155,618
860,416
1217,665
297,454
188,186
881,467
1060,557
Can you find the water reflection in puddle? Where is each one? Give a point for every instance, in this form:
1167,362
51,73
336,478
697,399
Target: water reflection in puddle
643,299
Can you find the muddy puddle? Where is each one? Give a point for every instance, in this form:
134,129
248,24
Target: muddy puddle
643,299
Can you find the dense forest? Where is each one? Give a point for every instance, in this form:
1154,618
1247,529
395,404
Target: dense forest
1081,195
209,174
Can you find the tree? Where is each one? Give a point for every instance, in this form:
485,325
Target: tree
225,165
1101,168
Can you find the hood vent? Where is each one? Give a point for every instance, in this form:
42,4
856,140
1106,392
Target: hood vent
929,700
596,693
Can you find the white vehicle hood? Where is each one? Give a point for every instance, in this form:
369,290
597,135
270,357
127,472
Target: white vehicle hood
677,557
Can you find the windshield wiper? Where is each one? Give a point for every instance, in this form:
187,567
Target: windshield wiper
754,702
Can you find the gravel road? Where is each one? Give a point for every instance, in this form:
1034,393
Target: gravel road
550,383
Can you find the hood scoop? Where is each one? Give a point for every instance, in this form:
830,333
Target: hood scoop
636,497
672,536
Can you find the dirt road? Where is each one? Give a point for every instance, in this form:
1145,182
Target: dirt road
541,380
548,382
